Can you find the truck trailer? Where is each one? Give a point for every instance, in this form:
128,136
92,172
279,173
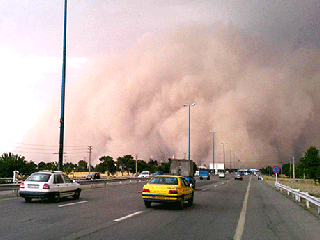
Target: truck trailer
185,168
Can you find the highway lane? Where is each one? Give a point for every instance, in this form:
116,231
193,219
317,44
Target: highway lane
119,213
44,220
271,215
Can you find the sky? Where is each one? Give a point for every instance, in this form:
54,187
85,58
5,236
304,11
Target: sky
251,67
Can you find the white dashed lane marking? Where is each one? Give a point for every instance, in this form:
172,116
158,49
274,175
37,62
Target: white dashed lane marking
126,217
70,204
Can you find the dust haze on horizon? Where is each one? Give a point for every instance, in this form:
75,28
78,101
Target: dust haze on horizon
261,98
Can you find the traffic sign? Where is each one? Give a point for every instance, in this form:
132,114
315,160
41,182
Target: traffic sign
276,169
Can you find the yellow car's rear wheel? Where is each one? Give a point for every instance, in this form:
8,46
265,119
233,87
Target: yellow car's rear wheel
190,201
147,204
180,203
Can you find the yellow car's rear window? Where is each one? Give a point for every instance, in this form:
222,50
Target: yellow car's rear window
164,180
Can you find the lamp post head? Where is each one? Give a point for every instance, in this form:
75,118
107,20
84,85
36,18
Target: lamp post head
185,105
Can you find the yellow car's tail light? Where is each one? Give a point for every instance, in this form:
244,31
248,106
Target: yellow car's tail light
173,192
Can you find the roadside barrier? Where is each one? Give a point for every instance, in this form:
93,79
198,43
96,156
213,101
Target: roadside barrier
299,195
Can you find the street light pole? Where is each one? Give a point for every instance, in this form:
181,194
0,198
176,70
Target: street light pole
189,105
213,153
224,155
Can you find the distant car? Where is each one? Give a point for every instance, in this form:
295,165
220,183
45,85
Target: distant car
144,174
167,189
93,175
238,177
260,177
221,175
51,185
158,173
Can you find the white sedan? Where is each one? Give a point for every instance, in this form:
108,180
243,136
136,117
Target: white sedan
51,185
144,174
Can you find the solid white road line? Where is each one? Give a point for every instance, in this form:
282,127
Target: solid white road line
128,216
69,204
242,218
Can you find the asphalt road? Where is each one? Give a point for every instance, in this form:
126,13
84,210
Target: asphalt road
223,209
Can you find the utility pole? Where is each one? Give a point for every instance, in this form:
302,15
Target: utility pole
230,160
137,163
61,137
90,151
294,174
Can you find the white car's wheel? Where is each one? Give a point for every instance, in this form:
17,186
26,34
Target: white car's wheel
76,195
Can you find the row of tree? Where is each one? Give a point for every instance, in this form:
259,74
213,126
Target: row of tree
307,167
10,162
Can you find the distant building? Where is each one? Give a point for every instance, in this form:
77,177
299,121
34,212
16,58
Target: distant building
218,167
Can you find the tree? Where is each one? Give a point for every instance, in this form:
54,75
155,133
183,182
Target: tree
41,166
311,163
10,162
52,166
68,167
106,164
165,167
267,170
153,166
82,166
142,165
125,163
31,167
285,169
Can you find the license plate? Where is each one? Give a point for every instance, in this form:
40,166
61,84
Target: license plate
161,197
33,186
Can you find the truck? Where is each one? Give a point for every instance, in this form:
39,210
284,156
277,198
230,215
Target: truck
185,168
204,173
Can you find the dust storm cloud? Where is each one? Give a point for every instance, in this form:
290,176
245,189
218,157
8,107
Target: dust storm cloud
261,98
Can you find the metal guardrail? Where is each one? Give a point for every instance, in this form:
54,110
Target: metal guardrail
300,195
13,188
6,180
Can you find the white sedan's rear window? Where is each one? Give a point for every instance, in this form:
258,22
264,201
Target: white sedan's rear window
39,177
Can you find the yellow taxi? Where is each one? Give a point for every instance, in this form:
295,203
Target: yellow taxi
167,189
